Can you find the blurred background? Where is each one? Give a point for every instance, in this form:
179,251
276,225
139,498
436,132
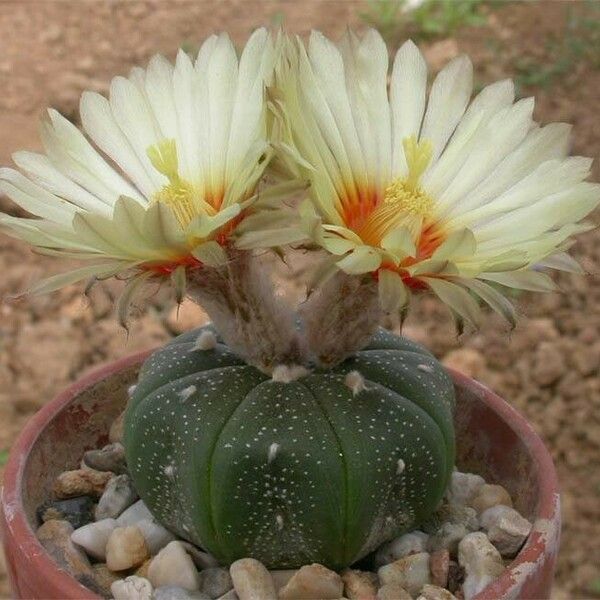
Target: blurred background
50,51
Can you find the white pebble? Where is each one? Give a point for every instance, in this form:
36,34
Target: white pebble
132,588
505,528
481,561
118,495
410,572
355,381
463,487
173,566
313,581
93,537
156,536
135,513
251,580
409,543
207,340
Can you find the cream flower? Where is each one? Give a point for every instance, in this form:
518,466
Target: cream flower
426,190
173,160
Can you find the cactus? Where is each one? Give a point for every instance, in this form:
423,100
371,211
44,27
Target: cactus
323,468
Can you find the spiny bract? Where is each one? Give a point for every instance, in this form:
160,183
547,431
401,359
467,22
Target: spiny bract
291,473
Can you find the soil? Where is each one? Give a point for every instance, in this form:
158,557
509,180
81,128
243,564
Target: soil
547,367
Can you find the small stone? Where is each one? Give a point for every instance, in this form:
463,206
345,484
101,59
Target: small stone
434,592
506,529
230,595
282,576
172,592
104,578
132,588
126,549
93,537
173,566
142,570
202,560
463,487
439,563
481,561
409,543
447,537
411,572
313,581
78,511
459,515
393,591
134,514
156,536
456,576
215,582
81,482
549,364
118,495
55,537
115,434
252,581
110,458
359,585
490,495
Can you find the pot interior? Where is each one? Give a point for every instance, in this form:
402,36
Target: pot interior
486,443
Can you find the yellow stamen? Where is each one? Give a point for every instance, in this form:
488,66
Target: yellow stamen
404,204
178,194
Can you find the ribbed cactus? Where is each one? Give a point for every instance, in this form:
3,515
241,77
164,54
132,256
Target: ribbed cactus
321,469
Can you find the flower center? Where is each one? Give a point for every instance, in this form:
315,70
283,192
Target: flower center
178,194
404,203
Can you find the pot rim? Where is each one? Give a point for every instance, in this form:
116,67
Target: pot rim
543,539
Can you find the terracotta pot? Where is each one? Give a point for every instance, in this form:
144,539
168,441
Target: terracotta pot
493,439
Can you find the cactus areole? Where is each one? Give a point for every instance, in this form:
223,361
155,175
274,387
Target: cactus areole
322,469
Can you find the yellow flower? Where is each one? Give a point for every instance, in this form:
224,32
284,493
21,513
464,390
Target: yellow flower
170,163
426,190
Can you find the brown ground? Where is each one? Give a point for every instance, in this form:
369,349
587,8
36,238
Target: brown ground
548,367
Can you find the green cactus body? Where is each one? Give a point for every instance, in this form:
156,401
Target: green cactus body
291,473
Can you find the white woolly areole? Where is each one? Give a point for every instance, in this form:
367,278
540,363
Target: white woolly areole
207,340
131,390
279,520
426,368
288,373
355,381
186,393
272,453
401,466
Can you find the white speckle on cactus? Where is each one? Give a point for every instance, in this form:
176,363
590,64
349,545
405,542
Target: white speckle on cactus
207,340
169,471
355,381
186,393
131,390
425,368
400,467
288,373
279,520
273,449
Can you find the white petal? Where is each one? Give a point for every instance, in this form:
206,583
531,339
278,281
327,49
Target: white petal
501,135
448,99
33,198
100,125
407,97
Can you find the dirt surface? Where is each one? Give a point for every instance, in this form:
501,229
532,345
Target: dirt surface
548,367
